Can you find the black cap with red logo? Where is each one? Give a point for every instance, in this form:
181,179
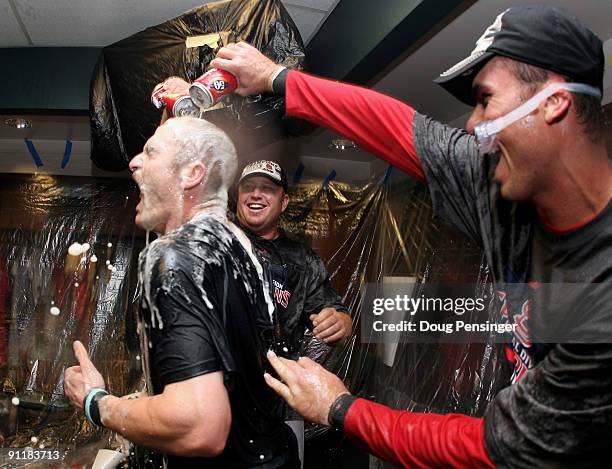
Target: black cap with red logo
538,35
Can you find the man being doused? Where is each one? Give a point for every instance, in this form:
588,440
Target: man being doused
206,318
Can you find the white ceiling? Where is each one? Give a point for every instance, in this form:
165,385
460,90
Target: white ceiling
96,23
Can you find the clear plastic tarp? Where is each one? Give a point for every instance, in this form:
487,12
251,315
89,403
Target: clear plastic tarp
367,233
379,232
68,259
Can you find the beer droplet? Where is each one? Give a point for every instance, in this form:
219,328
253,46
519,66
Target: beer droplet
75,249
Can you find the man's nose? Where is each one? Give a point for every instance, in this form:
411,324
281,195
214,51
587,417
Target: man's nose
474,119
136,162
256,192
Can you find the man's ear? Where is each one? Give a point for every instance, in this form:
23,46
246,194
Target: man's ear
195,175
284,202
557,106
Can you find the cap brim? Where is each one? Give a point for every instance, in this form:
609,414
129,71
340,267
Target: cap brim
458,79
263,174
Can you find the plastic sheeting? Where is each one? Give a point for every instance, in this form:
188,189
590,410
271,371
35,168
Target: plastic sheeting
365,232
49,298
121,113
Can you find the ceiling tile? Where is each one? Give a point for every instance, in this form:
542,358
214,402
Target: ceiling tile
324,5
10,32
94,23
307,21
63,23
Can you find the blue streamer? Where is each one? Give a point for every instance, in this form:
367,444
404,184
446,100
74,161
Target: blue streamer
387,174
299,172
35,156
67,153
330,177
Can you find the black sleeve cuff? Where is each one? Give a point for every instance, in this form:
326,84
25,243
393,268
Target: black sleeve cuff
279,83
339,409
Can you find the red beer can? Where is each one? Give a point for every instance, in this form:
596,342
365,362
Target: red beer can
212,86
180,105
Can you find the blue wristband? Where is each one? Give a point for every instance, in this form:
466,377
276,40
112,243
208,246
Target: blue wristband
95,419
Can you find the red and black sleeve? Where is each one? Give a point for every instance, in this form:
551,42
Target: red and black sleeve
378,123
411,439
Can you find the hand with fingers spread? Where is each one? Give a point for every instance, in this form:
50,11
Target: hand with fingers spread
306,386
80,379
331,325
253,70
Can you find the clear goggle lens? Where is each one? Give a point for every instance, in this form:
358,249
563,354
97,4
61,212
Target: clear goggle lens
487,131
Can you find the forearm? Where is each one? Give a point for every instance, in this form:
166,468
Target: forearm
378,123
414,439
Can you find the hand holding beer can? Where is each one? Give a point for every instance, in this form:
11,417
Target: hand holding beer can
207,90
180,105
177,104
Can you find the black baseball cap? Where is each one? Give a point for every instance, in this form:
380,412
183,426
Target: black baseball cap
538,35
269,169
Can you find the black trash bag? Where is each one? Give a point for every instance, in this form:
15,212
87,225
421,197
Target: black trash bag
122,116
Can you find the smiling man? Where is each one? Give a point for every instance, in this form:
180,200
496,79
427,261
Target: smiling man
531,182
205,320
303,295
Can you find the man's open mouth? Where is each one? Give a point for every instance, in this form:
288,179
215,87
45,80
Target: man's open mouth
256,206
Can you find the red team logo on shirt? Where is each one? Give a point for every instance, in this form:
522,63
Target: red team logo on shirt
521,320
518,352
282,296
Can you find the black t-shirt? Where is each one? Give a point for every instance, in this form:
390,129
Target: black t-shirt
205,311
300,287
556,287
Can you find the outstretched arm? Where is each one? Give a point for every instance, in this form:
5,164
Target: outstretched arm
404,438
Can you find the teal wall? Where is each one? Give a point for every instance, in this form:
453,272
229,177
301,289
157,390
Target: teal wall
46,78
